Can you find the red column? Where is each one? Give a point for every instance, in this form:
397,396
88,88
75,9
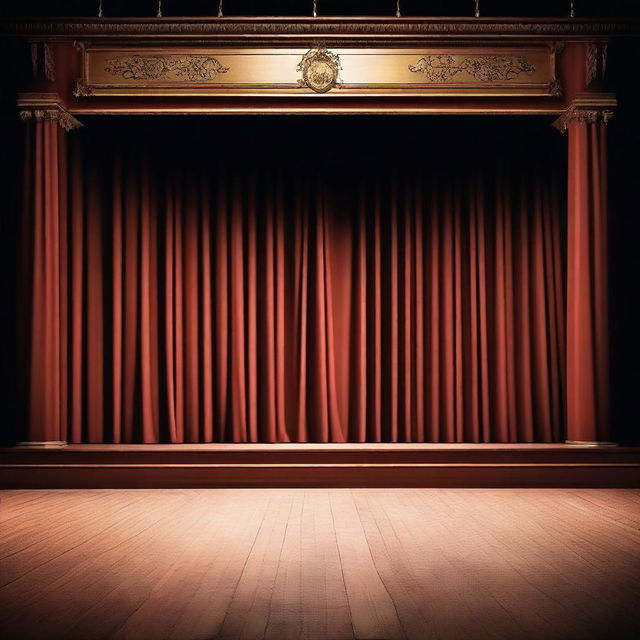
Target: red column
587,287
44,293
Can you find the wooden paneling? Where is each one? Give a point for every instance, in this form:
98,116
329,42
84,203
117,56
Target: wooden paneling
280,465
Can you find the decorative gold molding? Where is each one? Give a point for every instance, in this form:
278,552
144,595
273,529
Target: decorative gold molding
337,107
189,68
591,116
46,106
320,70
374,70
589,108
63,118
203,28
82,90
484,68
555,88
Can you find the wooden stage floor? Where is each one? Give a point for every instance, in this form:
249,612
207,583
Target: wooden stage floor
319,465
375,564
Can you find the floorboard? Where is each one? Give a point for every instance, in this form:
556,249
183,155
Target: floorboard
323,564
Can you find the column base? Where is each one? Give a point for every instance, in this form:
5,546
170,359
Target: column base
50,444
585,443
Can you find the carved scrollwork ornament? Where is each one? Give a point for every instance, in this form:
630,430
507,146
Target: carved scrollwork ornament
591,63
63,118
43,61
82,90
320,70
592,117
489,68
587,116
191,68
49,63
555,88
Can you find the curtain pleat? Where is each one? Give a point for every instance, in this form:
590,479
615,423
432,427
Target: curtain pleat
210,304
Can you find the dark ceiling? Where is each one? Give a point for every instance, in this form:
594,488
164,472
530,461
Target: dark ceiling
137,8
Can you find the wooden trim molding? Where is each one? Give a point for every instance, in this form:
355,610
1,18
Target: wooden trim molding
313,465
584,443
330,27
50,444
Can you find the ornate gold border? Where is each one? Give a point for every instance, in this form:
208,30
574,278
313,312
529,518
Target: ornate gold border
248,83
316,108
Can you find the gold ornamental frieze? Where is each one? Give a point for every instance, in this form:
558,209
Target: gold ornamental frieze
378,70
444,68
188,68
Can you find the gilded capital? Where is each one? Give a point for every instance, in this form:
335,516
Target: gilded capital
587,108
46,106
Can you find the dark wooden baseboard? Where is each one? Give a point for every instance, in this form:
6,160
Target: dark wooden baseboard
182,466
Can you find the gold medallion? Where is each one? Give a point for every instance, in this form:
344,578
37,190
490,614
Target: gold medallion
320,70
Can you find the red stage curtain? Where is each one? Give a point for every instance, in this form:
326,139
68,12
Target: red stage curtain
249,304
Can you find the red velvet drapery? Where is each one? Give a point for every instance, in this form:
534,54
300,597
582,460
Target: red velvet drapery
405,301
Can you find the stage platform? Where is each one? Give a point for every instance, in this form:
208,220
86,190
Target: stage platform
319,465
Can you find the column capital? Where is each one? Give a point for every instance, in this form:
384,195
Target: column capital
46,106
587,107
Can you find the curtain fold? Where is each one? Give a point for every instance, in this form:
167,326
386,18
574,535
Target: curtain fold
217,302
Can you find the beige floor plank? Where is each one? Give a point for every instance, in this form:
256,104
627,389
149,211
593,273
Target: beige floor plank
248,612
310,599
454,572
373,612
91,567
221,569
